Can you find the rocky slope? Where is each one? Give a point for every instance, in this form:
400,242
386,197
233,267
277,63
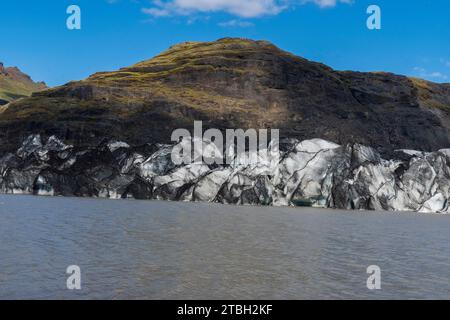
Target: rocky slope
312,172
109,135
236,83
15,84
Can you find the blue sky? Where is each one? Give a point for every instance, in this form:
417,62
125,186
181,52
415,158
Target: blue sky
414,39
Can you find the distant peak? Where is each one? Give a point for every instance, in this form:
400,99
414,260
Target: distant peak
15,84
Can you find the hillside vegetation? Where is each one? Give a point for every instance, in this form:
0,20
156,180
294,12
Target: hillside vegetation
14,84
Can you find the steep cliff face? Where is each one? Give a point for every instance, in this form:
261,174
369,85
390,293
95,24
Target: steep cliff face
236,83
312,172
15,84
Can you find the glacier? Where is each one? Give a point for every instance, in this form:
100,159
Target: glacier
313,172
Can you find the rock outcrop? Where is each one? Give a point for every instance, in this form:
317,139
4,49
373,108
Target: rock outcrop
311,172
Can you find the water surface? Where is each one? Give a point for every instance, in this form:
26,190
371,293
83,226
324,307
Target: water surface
168,250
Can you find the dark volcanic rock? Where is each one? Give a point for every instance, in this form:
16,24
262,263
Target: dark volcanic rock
236,83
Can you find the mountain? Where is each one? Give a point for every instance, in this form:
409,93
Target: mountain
15,84
236,83
109,135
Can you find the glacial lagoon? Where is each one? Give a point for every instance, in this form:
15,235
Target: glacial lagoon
128,249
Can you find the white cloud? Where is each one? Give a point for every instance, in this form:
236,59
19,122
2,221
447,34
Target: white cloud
236,23
434,75
328,3
445,62
245,9
438,75
156,12
240,8
419,69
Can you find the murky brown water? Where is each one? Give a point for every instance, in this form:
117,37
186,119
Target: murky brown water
167,250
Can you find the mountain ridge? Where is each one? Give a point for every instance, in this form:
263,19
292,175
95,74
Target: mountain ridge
236,83
14,84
